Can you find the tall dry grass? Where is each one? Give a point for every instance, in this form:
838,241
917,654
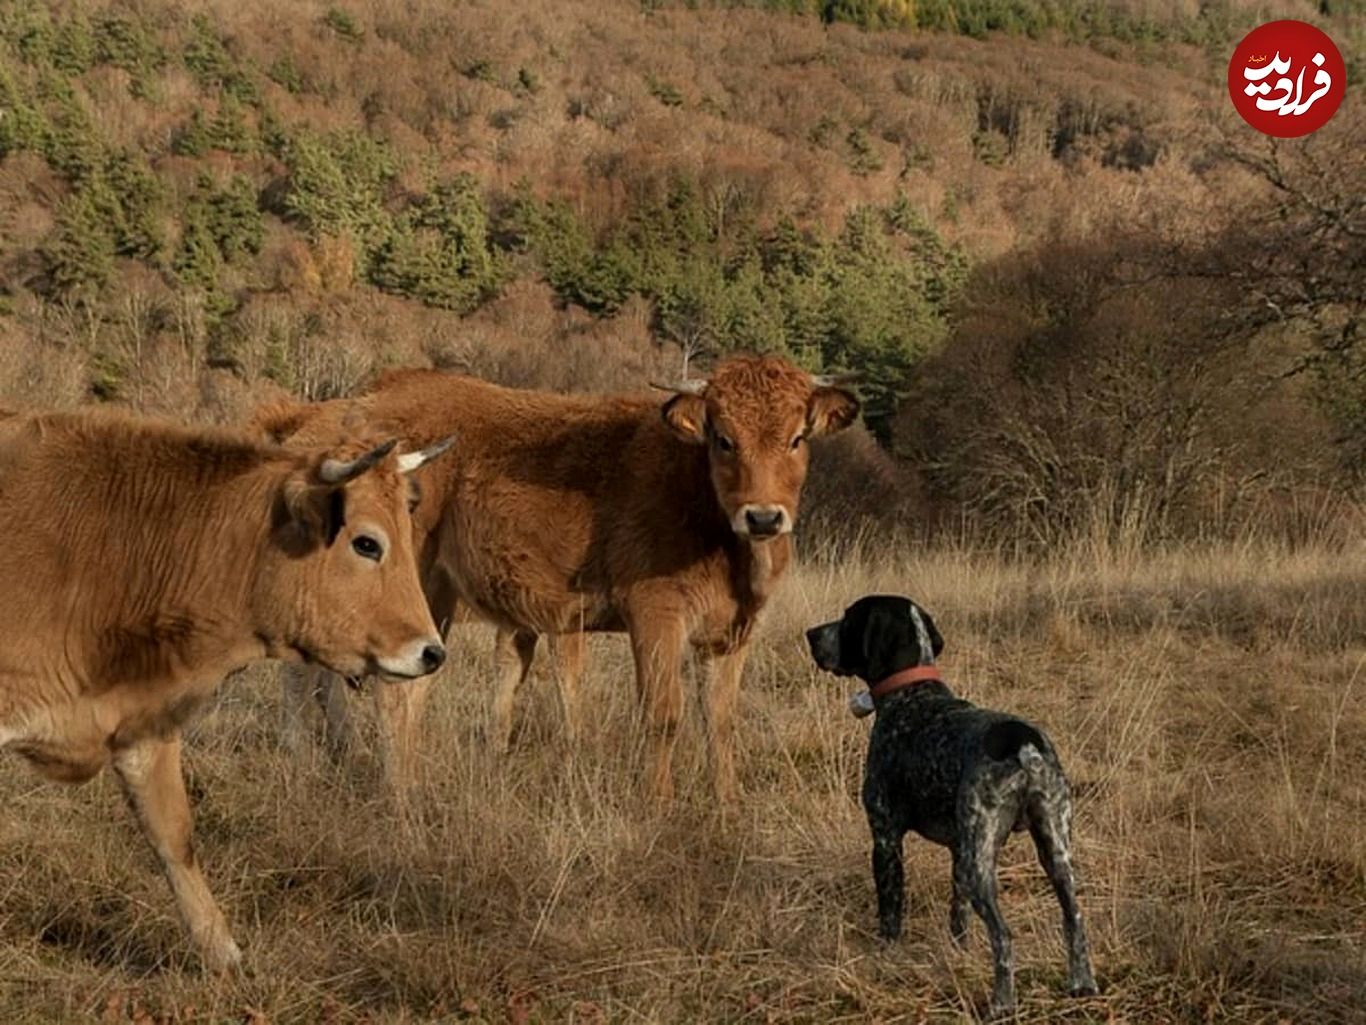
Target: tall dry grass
1207,703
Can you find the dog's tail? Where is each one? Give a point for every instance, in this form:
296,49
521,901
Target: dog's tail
1008,740
1032,761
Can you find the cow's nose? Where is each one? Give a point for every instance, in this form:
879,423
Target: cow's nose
763,522
433,655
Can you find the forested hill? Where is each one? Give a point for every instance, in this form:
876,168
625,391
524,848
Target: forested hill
197,201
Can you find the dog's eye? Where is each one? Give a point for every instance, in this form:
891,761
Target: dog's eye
367,547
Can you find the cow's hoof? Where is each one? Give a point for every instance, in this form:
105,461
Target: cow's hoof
222,958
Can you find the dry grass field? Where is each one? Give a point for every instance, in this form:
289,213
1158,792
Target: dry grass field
1157,327
1208,704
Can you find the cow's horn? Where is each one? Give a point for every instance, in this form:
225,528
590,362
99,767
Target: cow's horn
835,380
410,461
338,471
688,386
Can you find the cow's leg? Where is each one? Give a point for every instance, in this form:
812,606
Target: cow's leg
294,696
512,655
721,692
151,778
303,684
339,733
658,649
399,707
569,652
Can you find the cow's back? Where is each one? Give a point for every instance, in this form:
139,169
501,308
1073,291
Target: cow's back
551,504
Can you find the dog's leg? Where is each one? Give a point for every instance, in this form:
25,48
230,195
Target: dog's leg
1049,825
983,832
960,903
888,875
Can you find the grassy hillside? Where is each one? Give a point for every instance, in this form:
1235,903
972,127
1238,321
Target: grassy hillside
202,204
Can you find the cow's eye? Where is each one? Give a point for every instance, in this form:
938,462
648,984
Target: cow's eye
367,547
797,442
724,443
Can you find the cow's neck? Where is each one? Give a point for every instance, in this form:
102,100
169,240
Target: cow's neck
759,566
185,612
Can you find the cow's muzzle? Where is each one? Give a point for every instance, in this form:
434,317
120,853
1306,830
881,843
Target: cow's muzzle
417,659
761,521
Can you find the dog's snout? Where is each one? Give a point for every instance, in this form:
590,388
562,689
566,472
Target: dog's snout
433,657
824,643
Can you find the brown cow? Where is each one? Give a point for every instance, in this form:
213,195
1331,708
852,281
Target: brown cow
151,560
562,514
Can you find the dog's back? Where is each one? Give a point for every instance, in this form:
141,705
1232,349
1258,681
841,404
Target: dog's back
931,755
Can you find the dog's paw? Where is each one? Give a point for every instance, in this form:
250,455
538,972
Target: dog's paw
998,1012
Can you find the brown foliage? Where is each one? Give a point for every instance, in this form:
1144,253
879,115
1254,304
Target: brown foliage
1102,379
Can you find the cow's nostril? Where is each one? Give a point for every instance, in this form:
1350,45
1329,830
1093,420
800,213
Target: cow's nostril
433,655
763,521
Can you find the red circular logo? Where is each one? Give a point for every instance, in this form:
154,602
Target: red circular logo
1286,78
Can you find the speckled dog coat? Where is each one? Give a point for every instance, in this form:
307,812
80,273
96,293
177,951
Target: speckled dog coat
959,775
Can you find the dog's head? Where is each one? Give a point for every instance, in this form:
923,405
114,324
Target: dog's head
877,636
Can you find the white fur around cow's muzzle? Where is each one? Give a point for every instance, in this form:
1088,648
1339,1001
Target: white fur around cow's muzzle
416,659
761,522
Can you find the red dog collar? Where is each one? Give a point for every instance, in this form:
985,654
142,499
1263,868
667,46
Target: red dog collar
905,678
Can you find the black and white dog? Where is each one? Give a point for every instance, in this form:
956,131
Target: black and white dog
959,775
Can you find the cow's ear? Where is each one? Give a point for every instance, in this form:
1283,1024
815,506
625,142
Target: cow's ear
310,514
280,421
686,416
831,409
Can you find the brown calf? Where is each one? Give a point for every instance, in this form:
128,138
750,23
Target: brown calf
156,559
